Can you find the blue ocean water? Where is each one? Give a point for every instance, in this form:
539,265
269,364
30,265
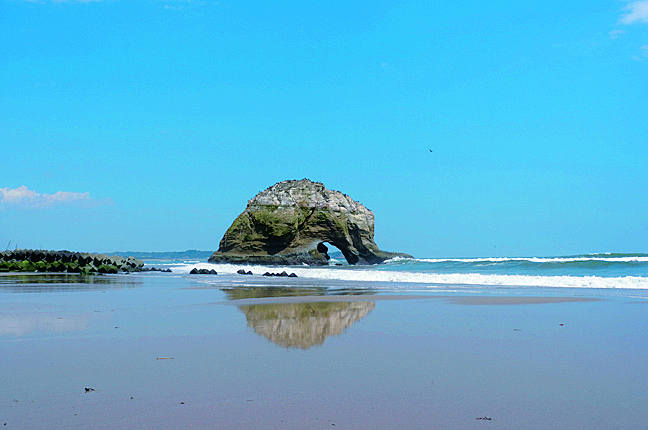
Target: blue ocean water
600,271
604,265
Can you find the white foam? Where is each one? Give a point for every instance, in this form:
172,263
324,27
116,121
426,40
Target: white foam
534,259
432,279
231,269
629,282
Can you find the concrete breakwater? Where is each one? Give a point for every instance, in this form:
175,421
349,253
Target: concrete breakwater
30,260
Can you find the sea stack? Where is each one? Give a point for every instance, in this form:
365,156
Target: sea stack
290,222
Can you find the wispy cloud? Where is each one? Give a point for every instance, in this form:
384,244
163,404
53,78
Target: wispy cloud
636,12
24,198
643,54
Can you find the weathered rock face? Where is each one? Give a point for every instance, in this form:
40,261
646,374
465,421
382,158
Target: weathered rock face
289,223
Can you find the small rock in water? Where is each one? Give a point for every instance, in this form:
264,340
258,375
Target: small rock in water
282,274
155,269
195,271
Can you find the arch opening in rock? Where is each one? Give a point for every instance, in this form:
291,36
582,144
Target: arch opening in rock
334,254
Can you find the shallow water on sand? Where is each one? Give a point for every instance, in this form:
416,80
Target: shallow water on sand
178,351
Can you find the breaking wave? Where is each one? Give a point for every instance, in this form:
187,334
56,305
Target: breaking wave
609,271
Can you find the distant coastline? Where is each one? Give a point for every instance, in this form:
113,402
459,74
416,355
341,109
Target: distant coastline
191,254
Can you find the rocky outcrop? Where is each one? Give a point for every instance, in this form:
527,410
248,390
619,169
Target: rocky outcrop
195,271
31,260
290,222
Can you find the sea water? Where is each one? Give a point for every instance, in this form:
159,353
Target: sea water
619,273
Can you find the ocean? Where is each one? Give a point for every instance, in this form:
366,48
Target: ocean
620,274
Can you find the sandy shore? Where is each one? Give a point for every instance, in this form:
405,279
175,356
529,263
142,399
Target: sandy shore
156,353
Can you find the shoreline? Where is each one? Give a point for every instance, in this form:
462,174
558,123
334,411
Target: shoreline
353,289
452,299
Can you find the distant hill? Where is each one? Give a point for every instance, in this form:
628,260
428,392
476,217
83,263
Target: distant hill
192,254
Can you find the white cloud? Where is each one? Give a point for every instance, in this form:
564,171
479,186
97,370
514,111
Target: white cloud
643,54
23,197
636,12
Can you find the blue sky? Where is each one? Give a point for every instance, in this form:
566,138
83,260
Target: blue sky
148,124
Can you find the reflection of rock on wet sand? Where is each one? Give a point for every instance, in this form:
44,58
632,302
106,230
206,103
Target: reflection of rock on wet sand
302,325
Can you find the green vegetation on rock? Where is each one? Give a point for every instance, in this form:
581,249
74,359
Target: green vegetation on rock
272,223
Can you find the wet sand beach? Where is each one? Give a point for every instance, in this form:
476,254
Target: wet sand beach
153,351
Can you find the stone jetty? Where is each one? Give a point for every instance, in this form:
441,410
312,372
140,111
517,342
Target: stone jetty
31,260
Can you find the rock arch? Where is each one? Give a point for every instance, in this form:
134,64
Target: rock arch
289,222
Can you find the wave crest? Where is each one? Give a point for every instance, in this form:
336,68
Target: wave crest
401,279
